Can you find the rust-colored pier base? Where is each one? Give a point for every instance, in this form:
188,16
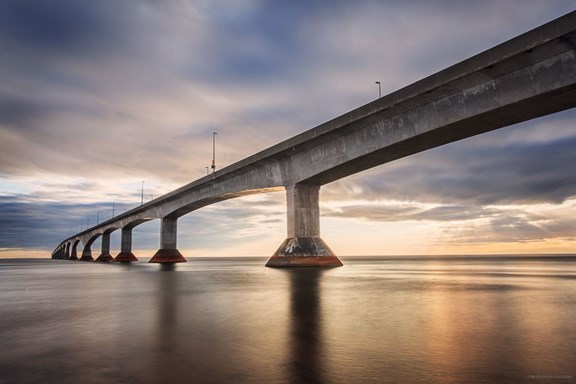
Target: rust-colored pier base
168,256
304,252
104,257
86,258
125,257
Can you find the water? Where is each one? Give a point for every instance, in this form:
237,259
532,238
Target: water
375,320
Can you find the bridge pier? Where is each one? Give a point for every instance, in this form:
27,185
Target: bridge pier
86,254
105,255
168,253
74,252
303,247
125,254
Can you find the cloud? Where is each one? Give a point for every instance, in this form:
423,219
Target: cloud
28,222
393,212
119,84
31,224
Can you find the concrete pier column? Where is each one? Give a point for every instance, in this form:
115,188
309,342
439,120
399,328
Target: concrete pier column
86,254
125,254
74,252
303,247
67,250
105,255
168,253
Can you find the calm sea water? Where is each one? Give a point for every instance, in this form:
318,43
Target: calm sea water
232,320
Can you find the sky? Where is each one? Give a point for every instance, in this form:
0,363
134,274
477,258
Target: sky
101,100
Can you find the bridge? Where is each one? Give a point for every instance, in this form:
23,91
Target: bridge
529,76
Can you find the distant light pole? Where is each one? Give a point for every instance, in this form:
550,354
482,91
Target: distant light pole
98,217
151,197
214,151
207,171
142,194
379,89
113,209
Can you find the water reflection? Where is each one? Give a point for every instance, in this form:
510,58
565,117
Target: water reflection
168,267
306,336
165,352
235,322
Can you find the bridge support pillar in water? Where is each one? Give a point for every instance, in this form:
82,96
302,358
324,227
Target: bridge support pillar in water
105,255
168,253
125,254
74,252
86,254
303,247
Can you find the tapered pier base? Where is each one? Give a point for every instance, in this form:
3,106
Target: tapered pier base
304,252
86,254
125,257
104,257
168,256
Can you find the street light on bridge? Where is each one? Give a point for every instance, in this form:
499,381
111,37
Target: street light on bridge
379,89
214,151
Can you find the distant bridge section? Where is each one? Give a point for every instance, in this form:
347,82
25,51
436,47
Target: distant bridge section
529,76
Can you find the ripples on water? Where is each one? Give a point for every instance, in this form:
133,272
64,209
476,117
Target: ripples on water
375,320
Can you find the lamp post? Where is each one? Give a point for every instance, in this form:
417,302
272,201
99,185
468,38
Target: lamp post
379,89
207,171
142,194
214,151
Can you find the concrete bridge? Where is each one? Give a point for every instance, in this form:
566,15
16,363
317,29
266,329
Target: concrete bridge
529,76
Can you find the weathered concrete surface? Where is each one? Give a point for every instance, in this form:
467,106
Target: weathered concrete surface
304,252
74,251
303,247
105,255
170,255
530,76
86,255
168,252
125,257
126,254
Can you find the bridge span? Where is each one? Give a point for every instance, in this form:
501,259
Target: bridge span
529,76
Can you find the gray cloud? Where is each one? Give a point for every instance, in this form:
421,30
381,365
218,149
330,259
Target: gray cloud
412,212
28,223
126,80
517,228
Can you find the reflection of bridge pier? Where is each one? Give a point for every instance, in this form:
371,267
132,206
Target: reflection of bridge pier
306,337
165,360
